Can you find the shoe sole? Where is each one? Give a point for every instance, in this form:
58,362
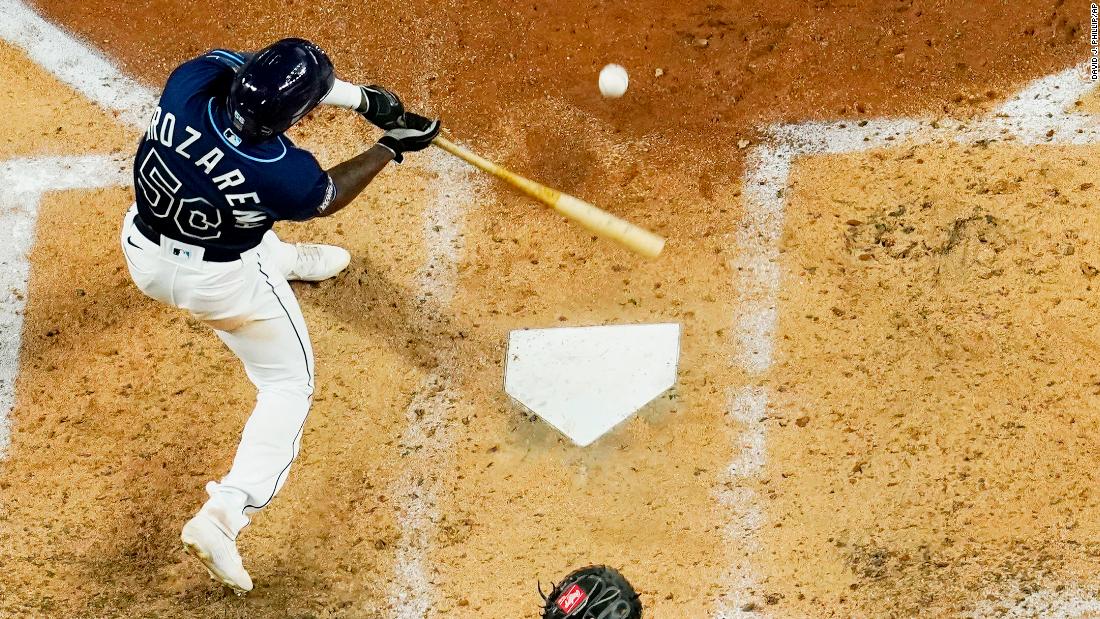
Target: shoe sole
208,562
315,278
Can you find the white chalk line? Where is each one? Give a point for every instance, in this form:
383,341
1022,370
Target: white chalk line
1036,115
427,439
75,63
22,183
453,187
1070,602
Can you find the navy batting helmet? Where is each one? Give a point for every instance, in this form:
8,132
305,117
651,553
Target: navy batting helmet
278,86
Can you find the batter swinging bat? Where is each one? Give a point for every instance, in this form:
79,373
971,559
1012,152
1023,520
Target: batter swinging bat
595,219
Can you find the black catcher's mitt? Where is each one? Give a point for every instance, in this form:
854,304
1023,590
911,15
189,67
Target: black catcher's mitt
594,592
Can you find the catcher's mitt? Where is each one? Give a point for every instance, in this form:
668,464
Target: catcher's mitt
594,592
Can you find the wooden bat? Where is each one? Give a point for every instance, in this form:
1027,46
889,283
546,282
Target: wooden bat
595,219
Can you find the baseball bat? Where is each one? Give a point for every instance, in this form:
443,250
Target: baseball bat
590,216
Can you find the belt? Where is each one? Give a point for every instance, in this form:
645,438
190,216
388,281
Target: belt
210,254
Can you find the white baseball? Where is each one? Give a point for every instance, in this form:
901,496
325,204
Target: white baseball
613,81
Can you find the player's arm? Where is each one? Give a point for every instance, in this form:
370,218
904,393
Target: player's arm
378,105
352,177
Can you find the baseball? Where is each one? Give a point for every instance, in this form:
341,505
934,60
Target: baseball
613,81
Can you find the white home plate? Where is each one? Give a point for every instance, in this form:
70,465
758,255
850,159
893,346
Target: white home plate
585,380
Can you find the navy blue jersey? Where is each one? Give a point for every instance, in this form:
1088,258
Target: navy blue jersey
197,182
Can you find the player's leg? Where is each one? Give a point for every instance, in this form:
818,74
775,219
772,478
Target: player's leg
278,359
254,312
277,356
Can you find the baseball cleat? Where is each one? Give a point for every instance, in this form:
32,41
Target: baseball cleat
204,538
317,262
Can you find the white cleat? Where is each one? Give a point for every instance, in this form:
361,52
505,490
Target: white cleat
317,262
206,539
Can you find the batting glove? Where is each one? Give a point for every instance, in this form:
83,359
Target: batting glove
381,107
414,133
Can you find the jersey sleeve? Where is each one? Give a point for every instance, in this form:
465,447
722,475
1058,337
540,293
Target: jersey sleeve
210,73
305,190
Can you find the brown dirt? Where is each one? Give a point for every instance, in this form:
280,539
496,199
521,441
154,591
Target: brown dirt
628,499
125,409
728,67
940,344
44,117
1089,104
148,408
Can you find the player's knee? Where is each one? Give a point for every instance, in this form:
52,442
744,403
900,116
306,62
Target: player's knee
289,390
229,325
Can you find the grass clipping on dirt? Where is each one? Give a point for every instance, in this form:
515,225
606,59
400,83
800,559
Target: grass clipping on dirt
937,389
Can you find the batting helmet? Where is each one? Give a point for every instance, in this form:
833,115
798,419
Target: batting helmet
278,86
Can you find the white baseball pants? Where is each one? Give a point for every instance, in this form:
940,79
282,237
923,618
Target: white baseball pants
271,341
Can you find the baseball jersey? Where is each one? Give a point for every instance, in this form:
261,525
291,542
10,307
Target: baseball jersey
197,182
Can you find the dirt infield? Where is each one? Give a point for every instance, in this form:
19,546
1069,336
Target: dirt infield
930,435
939,371
728,68
47,118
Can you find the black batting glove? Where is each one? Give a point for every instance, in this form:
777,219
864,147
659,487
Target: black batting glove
414,132
381,107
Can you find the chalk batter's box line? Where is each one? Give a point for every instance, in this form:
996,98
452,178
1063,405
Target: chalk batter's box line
1036,115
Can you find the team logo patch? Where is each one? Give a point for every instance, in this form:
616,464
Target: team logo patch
571,599
233,138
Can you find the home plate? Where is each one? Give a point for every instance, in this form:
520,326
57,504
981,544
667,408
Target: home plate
585,380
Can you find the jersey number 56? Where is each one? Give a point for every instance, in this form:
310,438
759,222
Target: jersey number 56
194,217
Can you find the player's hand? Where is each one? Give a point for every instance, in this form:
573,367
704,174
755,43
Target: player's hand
381,107
414,132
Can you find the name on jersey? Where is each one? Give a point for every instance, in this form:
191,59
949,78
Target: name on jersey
162,129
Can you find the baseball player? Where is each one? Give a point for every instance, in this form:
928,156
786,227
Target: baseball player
213,173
